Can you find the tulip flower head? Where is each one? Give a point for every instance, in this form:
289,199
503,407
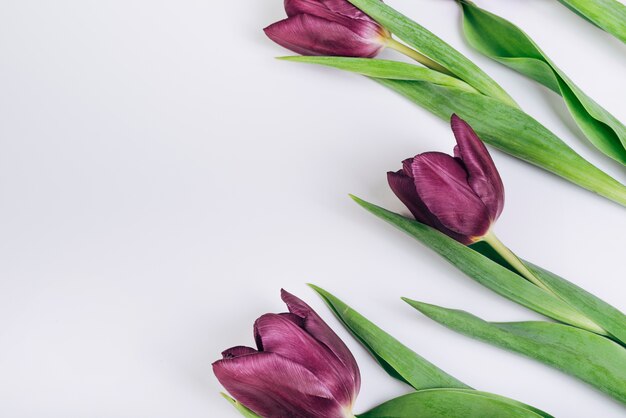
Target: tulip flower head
461,196
328,27
300,368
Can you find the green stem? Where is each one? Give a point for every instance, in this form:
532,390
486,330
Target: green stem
417,56
576,319
510,257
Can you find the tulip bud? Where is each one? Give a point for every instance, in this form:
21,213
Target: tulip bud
328,27
300,368
461,196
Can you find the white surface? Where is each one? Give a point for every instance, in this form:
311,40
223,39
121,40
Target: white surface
162,176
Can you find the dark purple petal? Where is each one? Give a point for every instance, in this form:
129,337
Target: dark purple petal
441,182
273,386
326,9
483,177
278,334
238,352
407,167
404,187
309,7
317,328
347,9
311,35
338,11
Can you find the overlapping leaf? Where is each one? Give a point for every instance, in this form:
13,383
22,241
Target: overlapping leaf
432,46
386,69
587,356
498,124
568,308
603,314
398,360
504,42
608,15
438,395
452,403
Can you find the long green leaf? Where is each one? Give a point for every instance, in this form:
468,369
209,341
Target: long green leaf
609,15
453,403
394,70
398,360
485,271
435,48
504,42
512,131
587,356
603,314
500,125
606,316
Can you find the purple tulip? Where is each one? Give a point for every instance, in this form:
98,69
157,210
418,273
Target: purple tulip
461,196
300,369
328,27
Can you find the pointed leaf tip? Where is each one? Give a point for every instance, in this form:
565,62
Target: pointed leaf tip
313,286
425,308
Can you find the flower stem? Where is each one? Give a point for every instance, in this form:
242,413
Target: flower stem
417,56
510,257
576,318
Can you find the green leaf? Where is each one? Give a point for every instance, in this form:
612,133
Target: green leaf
453,403
587,356
394,70
482,269
432,46
500,125
239,407
398,360
609,15
603,314
512,131
504,42
592,307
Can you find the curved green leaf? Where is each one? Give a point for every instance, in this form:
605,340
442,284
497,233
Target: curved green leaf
453,403
608,15
500,125
432,46
606,316
603,314
504,42
394,70
512,131
485,271
398,360
587,356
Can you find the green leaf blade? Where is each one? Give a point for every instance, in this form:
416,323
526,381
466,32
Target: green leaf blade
453,403
608,15
504,42
398,360
512,131
386,69
479,267
500,125
602,313
432,46
594,359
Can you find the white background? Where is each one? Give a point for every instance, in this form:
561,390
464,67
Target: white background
162,177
